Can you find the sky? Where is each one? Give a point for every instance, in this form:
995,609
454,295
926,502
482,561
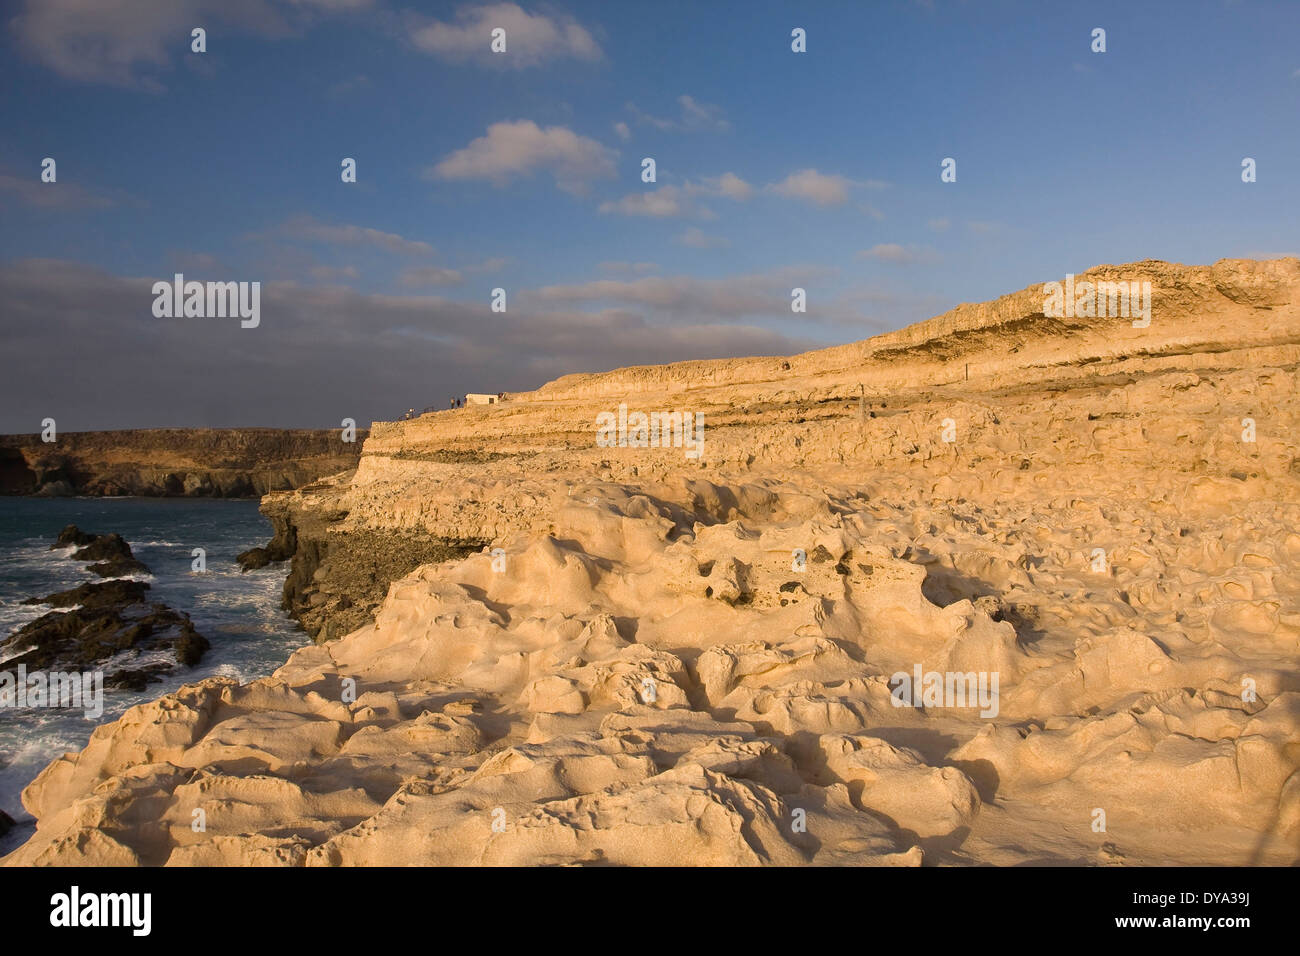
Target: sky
522,170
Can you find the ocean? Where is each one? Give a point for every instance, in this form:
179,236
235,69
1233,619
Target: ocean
239,613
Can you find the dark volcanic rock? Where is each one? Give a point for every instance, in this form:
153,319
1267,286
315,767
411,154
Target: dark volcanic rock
118,568
70,535
253,558
337,581
111,552
103,547
96,594
111,620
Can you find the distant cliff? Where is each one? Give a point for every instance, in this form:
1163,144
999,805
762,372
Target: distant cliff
173,462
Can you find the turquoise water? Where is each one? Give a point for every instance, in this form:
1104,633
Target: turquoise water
239,613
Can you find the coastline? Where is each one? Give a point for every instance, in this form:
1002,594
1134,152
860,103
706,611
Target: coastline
556,652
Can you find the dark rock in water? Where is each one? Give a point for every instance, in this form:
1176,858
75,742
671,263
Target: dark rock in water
280,548
112,618
254,558
118,568
96,594
103,548
111,551
71,534
6,823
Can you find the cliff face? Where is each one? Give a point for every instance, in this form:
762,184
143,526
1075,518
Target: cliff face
173,462
629,655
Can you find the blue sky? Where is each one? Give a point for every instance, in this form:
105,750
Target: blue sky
522,171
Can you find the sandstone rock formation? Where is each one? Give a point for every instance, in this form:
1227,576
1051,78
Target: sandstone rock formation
173,462
649,658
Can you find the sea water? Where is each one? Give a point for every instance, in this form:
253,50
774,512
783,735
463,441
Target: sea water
239,613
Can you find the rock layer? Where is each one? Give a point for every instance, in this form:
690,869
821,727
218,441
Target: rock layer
173,462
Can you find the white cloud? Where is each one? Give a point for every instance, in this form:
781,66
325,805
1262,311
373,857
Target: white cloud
671,201
514,149
666,202
495,264
695,117
622,130
899,255
122,42
312,230
331,273
701,116
731,186
430,276
696,238
687,299
57,195
818,188
939,225
627,267
531,38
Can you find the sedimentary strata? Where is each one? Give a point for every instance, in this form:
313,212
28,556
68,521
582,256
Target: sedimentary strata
653,659
172,462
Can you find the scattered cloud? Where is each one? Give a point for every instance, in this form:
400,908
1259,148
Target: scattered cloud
673,201
939,225
126,42
531,38
814,187
695,117
688,299
309,229
333,273
380,353
729,185
899,255
984,228
696,239
430,276
666,202
495,264
516,149
31,191
352,85
639,268
621,129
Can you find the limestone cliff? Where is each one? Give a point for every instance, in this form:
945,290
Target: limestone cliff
172,462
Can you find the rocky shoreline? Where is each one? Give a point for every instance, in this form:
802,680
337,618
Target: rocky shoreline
338,576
